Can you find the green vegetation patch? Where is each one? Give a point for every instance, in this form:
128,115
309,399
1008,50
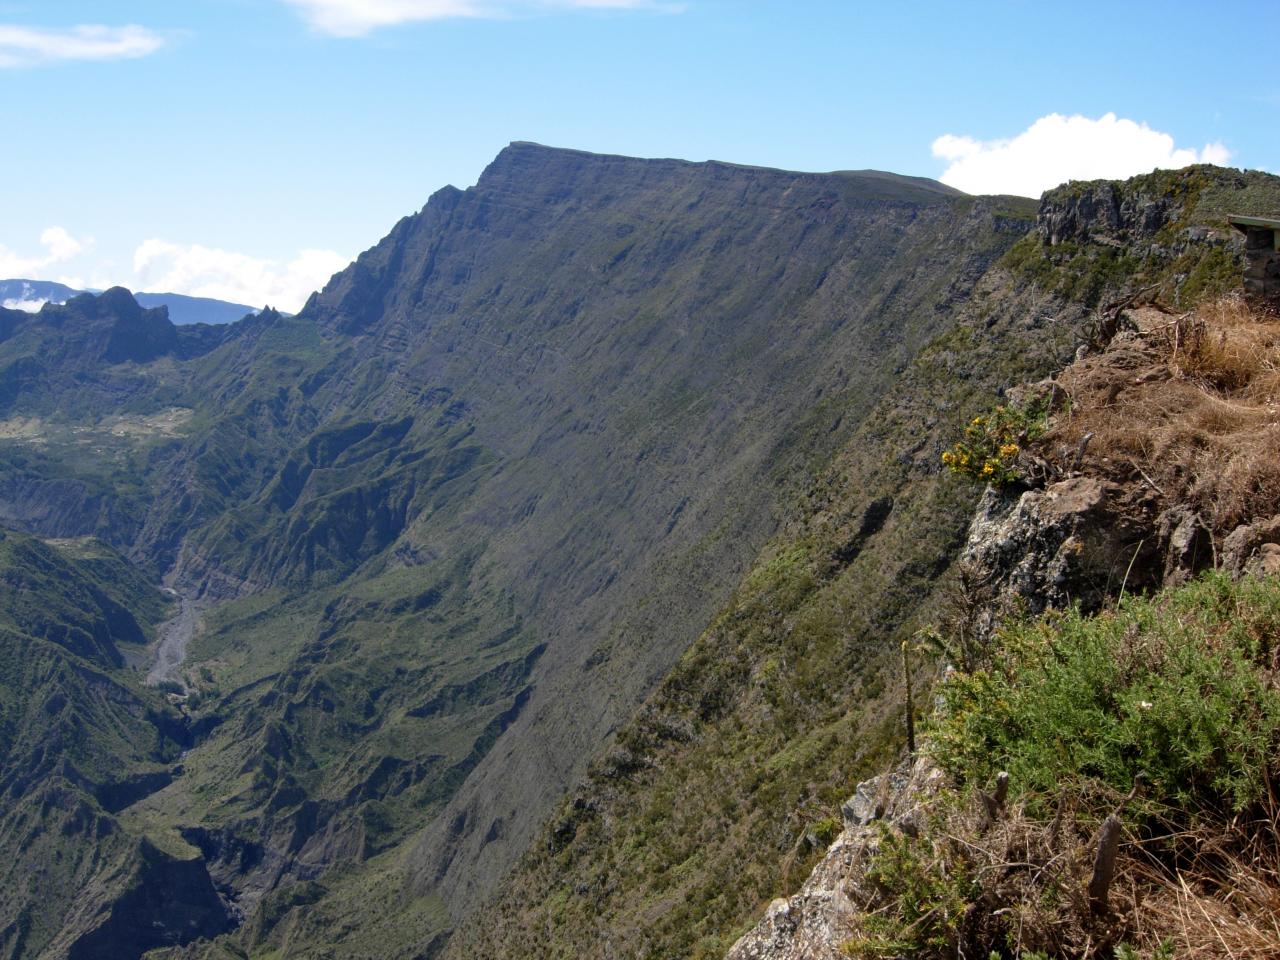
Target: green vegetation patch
1177,690
1160,717
988,451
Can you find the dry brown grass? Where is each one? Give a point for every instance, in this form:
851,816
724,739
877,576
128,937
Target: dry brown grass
1188,406
1228,347
1224,902
1209,893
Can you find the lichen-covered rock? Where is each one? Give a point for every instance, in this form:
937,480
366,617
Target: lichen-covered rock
816,921
1102,210
1188,544
1032,545
1253,548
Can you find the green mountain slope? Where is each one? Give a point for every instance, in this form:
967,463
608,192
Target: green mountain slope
736,765
726,787
465,509
448,527
81,741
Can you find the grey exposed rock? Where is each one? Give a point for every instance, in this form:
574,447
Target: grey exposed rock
1103,213
1253,548
1032,543
871,797
1188,543
860,809
1266,563
814,923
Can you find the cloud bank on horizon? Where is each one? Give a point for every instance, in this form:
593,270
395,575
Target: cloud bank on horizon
59,247
357,18
1056,149
200,271
35,46
160,266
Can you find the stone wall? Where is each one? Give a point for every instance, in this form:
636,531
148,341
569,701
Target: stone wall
1262,266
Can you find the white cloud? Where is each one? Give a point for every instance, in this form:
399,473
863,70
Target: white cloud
356,18
31,46
200,271
17,303
60,246
1056,149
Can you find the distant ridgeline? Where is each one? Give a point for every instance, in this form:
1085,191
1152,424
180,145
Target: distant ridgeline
574,521
32,294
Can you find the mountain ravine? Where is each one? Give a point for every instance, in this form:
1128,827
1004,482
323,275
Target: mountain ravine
450,526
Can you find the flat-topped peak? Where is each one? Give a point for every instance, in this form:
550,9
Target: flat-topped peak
523,162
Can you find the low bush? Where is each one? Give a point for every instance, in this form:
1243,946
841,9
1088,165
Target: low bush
1176,690
988,451
1165,712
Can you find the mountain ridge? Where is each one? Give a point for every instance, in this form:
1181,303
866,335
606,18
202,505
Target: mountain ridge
525,147
458,518
183,309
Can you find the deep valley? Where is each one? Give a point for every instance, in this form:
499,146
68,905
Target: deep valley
540,588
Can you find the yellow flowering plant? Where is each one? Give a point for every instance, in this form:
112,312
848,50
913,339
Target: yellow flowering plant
988,451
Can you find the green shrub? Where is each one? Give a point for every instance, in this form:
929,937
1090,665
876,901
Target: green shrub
822,833
1176,688
928,882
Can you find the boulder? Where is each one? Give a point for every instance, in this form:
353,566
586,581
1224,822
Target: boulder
1253,548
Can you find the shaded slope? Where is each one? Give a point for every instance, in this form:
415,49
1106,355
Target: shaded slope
569,403
723,790
81,740
735,766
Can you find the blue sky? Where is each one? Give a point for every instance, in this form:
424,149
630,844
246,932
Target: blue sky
244,148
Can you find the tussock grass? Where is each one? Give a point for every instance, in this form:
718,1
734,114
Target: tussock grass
1224,903
1227,345
1189,406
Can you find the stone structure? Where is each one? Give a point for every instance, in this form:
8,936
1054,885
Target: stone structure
1261,259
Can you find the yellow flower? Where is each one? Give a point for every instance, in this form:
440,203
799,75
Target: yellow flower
948,457
1009,450
988,469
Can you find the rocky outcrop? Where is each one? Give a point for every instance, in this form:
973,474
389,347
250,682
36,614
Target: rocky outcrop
1033,543
1156,212
1253,548
1102,210
1081,540
815,922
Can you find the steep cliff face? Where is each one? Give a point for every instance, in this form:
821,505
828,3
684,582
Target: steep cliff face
469,506
1156,432
736,767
